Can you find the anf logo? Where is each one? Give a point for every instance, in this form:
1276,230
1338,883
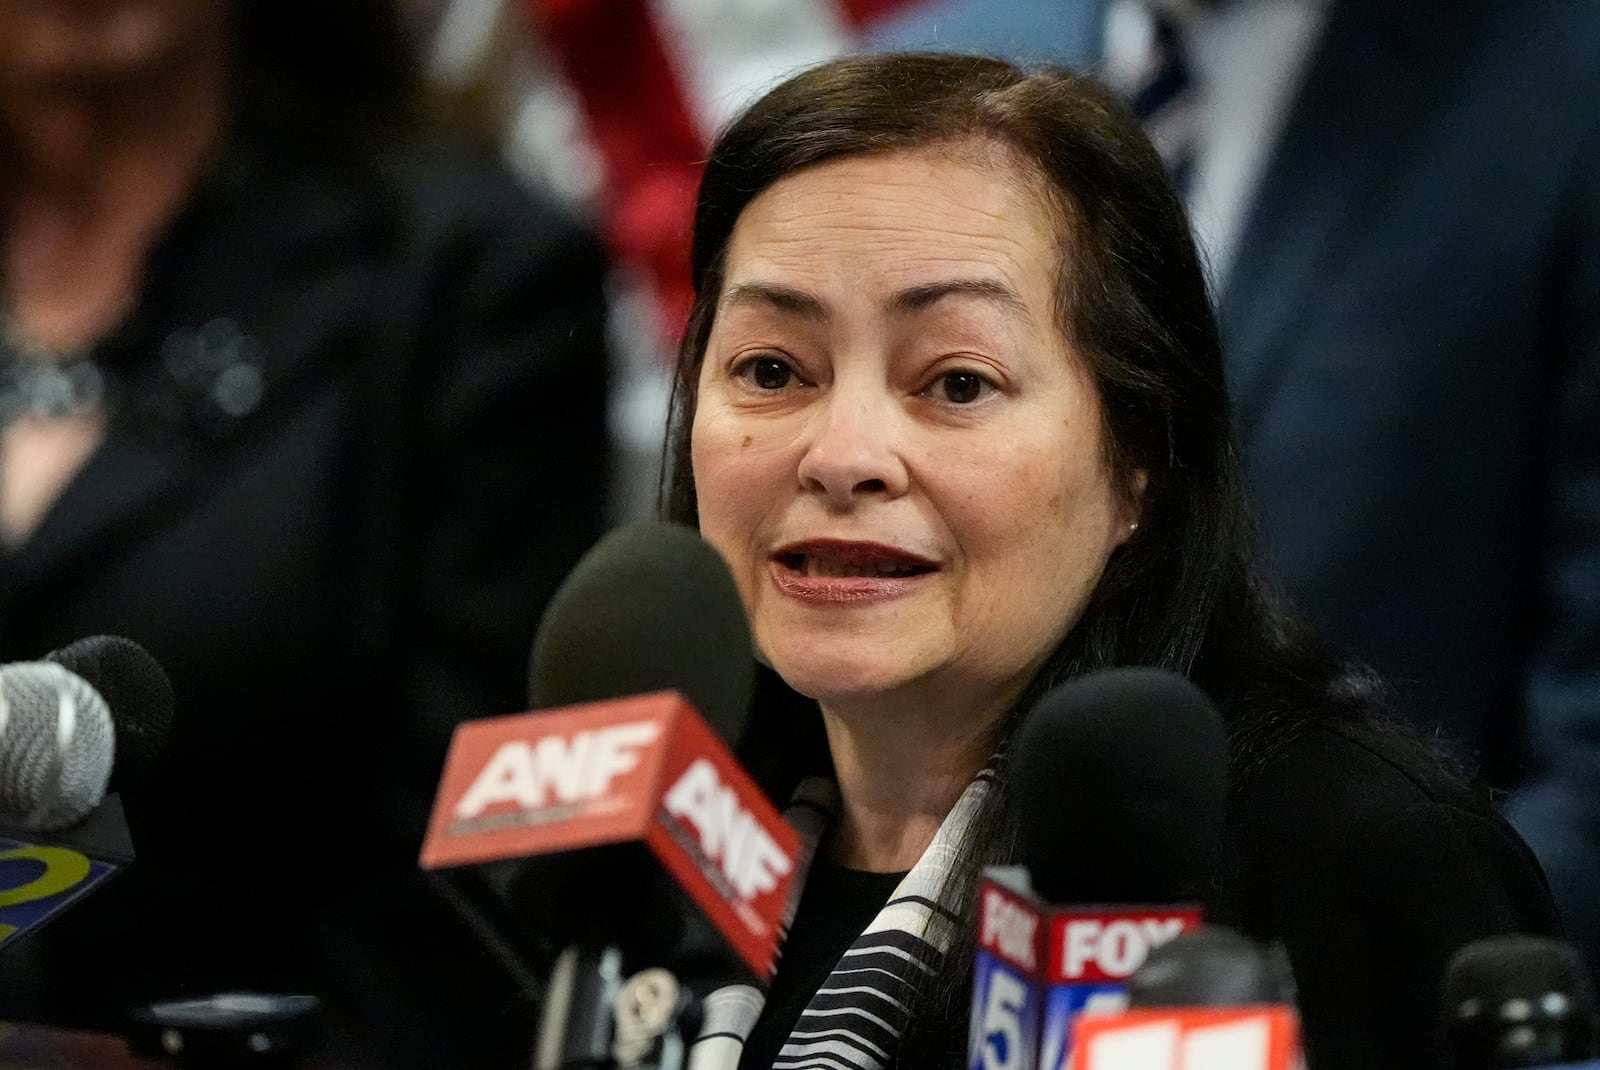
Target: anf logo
729,834
1112,948
557,769
1009,929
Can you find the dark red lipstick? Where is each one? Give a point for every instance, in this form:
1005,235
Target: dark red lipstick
847,571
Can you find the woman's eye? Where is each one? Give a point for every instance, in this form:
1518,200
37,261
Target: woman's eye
768,373
961,388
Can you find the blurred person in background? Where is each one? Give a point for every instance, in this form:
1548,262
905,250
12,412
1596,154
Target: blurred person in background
1400,205
311,405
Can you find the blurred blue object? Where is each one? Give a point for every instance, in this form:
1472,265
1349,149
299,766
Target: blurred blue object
1030,31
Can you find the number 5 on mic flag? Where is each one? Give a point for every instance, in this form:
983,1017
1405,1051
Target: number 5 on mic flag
1040,968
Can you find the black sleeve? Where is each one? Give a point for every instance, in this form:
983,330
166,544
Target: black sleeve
1412,888
1373,868
488,463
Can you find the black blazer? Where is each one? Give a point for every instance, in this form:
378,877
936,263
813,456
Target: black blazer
1347,840
1373,865
358,437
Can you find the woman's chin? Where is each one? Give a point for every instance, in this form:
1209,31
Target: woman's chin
835,682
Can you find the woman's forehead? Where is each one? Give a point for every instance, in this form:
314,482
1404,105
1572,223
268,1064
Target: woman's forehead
894,223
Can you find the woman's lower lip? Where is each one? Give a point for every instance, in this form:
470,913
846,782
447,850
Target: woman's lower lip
842,589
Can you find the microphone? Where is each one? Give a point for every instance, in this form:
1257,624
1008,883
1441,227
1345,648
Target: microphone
1519,1002
1213,966
61,833
139,694
55,745
1209,998
1119,779
657,845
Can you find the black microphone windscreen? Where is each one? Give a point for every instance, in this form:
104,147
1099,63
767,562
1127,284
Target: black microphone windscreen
1213,966
651,607
1518,1001
136,690
1119,779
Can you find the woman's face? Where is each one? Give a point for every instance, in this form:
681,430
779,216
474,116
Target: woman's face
894,449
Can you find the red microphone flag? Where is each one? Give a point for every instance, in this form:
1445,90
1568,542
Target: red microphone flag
646,769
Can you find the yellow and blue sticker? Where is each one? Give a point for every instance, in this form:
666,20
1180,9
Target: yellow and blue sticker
37,880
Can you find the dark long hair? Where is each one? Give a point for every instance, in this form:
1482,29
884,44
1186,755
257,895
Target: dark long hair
1183,593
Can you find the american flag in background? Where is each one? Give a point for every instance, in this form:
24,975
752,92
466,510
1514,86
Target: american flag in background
655,79
614,105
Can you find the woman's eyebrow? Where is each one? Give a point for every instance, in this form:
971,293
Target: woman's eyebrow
769,295
912,299
919,298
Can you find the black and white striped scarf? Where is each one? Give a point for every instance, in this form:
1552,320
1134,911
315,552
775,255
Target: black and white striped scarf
855,1020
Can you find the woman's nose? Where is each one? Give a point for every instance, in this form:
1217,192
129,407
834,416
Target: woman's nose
854,451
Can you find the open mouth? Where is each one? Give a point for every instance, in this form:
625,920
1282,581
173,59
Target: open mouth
838,560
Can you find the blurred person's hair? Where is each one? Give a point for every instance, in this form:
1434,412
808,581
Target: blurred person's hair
1184,593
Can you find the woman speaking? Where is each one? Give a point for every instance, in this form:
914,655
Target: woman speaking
951,406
